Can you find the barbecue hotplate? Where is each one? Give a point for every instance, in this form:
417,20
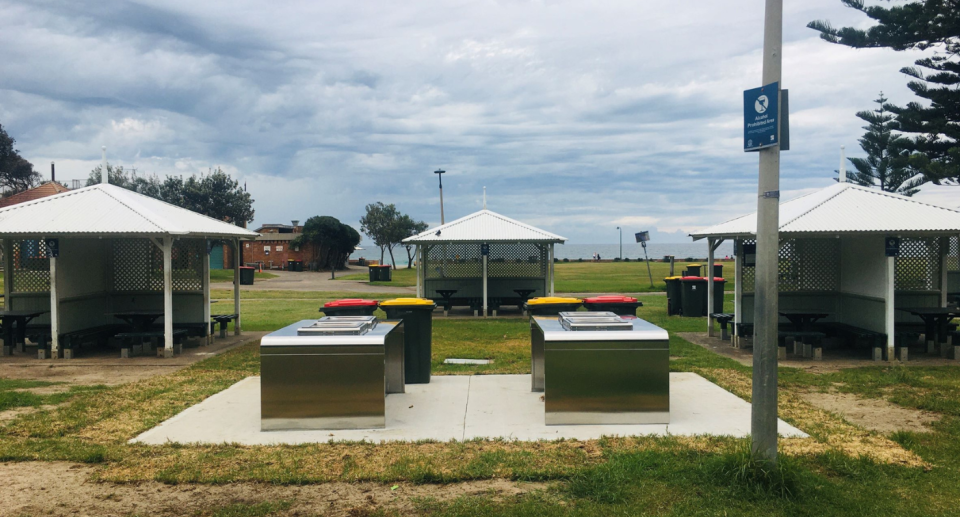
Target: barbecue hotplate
339,326
575,321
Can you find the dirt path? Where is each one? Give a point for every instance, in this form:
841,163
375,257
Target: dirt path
61,489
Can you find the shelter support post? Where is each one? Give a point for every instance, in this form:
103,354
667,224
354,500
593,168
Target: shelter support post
550,265
712,244
889,306
944,253
54,311
8,284
205,278
416,255
236,286
737,291
168,297
485,285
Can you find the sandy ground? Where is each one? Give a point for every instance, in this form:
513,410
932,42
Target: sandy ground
874,414
60,489
315,281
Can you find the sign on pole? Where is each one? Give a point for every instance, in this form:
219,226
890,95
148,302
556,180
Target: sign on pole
760,128
484,249
892,247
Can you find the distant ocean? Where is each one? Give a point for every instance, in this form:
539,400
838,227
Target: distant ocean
631,250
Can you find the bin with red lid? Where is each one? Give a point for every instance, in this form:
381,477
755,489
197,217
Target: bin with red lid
617,304
350,307
718,284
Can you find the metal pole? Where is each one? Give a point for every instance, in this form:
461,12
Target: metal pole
552,270
647,259
236,285
168,351
763,426
440,173
485,286
54,311
621,242
710,286
104,175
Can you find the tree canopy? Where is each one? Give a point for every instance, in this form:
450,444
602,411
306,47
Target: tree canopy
387,227
215,194
16,173
329,241
885,166
933,127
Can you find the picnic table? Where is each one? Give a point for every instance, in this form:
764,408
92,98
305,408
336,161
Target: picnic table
141,321
447,295
803,320
15,327
935,319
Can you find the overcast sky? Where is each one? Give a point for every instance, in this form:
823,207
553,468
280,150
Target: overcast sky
576,116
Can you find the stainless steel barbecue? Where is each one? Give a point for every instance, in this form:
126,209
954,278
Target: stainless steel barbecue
331,373
600,368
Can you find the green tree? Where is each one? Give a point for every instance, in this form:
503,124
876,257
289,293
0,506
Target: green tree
933,127
885,166
379,223
330,242
16,173
215,194
408,228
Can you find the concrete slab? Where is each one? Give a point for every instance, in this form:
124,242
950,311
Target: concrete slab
459,408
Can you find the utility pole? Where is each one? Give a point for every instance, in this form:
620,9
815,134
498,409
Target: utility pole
763,426
621,241
440,173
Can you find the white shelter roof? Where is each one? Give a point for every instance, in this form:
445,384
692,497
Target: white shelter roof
109,210
485,226
848,208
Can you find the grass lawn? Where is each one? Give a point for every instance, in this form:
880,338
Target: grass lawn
842,470
226,275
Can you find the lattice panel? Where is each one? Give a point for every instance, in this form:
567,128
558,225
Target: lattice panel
748,275
953,254
918,265
187,258
524,260
809,265
31,267
138,265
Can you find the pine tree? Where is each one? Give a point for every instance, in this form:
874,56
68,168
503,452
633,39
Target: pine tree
886,165
933,128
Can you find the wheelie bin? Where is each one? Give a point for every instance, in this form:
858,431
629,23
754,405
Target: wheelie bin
417,316
551,305
617,304
693,303
246,275
674,295
349,307
374,272
386,273
718,284
692,270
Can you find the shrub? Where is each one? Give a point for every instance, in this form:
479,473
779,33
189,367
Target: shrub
579,260
566,259
626,259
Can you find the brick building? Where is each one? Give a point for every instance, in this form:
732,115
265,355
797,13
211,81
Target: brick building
272,248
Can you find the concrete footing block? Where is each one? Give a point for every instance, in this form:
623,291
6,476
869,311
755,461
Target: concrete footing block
904,354
125,353
807,350
167,353
790,343
781,353
476,314
136,350
954,352
818,354
446,313
931,347
877,353
42,353
7,350
21,347
68,353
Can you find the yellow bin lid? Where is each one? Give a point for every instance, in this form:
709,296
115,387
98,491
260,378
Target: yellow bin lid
406,301
695,265
548,300
672,278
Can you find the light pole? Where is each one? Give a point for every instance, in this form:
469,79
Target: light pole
621,241
440,173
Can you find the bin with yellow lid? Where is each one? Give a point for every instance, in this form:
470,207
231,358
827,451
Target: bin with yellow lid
674,294
551,305
417,316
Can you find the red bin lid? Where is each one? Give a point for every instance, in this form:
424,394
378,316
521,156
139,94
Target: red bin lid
351,302
692,279
610,298
247,267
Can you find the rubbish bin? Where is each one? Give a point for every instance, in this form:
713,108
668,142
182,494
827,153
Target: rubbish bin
417,316
349,307
617,304
246,275
674,295
386,273
718,270
692,270
693,302
374,272
718,284
291,265
551,305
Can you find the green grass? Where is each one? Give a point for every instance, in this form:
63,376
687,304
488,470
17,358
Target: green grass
620,277
13,394
226,275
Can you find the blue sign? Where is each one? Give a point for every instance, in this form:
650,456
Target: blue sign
642,236
760,127
484,249
892,247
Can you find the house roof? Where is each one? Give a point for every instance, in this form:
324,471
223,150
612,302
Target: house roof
278,236
485,226
47,189
109,210
848,208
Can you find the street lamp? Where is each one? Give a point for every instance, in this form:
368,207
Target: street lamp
621,242
440,173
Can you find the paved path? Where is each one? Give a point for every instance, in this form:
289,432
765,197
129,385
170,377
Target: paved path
460,407
315,281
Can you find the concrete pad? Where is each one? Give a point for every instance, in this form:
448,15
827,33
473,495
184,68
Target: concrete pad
459,408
